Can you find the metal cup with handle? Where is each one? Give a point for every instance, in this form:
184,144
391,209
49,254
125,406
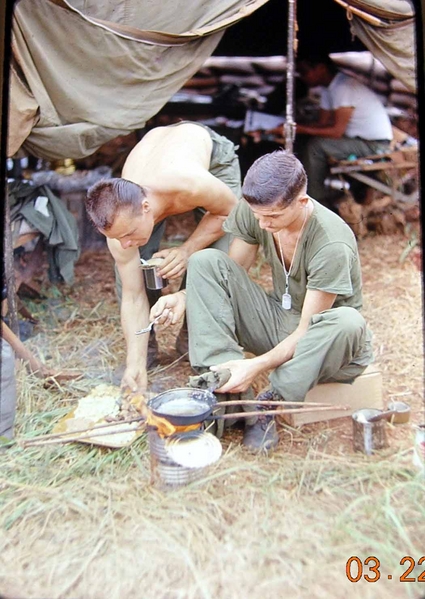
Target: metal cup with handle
153,279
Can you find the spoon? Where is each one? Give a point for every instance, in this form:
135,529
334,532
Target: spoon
150,325
383,416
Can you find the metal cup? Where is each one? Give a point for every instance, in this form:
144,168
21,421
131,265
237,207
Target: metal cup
153,279
402,412
368,436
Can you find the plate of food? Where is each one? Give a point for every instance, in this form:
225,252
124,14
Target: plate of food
105,417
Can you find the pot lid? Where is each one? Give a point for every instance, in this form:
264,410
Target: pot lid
194,449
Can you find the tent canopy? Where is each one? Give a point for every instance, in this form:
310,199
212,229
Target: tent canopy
79,80
127,58
387,29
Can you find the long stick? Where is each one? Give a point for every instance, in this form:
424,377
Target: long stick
277,412
282,403
81,430
36,442
9,267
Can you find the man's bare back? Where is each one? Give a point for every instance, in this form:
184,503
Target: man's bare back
167,161
170,171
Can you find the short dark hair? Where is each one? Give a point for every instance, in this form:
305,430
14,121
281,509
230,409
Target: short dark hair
312,60
275,178
106,197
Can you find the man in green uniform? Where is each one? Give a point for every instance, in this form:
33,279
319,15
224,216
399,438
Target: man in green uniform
308,329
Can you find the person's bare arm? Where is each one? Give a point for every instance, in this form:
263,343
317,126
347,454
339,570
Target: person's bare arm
134,314
243,253
170,308
208,192
334,128
244,372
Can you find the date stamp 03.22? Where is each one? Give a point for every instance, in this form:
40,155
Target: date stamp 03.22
369,569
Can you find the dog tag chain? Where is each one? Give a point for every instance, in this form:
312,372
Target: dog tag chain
286,297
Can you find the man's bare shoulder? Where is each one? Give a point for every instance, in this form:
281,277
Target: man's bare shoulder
169,147
188,133
169,158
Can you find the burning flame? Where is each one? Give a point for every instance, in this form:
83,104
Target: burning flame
163,426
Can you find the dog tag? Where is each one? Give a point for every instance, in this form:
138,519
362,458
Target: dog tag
286,301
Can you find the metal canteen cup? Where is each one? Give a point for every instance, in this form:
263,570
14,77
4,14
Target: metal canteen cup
153,279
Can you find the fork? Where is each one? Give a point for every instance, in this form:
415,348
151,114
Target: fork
149,327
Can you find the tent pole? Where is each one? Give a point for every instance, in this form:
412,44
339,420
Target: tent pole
9,268
290,71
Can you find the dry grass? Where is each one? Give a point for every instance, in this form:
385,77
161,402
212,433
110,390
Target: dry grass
80,522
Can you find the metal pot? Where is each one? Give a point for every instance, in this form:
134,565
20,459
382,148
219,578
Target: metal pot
183,406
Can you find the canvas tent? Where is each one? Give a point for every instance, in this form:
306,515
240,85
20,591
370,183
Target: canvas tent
84,72
387,29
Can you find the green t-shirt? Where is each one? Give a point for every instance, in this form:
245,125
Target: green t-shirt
326,259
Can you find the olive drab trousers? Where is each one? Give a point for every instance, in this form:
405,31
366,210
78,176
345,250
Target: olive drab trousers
228,314
319,150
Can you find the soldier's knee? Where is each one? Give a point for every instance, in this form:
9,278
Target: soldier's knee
349,320
205,260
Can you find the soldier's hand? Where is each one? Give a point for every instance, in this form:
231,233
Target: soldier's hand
169,308
135,378
243,373
175,262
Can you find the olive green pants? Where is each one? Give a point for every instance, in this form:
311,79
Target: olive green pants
228,314
316,160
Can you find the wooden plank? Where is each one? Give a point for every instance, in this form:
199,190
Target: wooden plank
394,193
376,166
364,392
410,151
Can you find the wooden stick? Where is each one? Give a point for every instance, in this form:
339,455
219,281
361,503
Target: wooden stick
37,442
363,15
277,412
9,270
283,403
82,430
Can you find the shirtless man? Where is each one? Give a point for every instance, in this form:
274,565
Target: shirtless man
172,170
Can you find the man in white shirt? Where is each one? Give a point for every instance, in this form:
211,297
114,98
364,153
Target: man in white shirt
352,120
